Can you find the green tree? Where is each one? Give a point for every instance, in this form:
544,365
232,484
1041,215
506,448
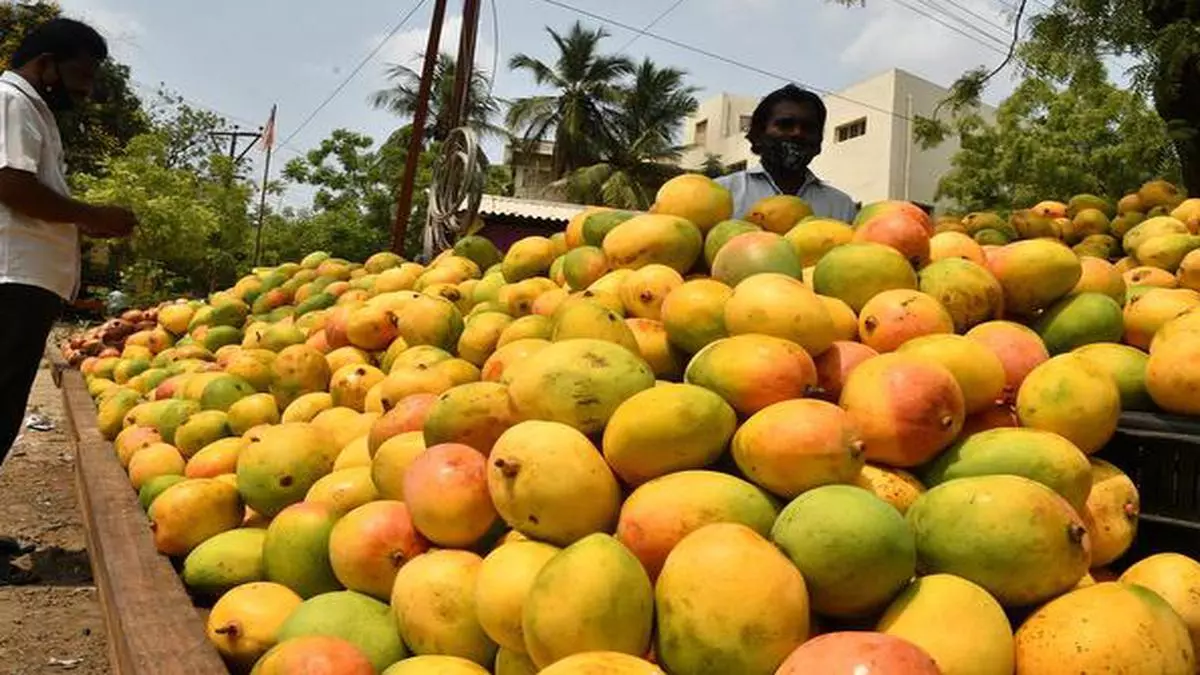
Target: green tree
638,152
586,85
1053,140
97,130
712,166
401,98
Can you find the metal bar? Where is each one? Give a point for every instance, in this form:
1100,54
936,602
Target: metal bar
464,66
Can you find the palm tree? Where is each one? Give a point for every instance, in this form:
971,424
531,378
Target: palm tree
712,166
586,89
401,98
639,150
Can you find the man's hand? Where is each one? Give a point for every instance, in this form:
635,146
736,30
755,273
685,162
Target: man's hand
109,222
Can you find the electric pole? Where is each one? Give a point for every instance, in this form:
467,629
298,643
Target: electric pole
234,135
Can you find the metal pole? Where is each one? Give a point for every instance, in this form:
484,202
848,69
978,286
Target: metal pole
464,67
262,202
404,199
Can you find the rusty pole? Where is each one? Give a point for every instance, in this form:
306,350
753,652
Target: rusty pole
411,162
465,64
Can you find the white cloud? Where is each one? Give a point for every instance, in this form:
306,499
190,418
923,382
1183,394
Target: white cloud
406,48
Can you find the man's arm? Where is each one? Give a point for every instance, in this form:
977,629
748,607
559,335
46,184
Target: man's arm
22,192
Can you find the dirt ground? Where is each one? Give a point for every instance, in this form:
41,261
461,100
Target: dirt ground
55,625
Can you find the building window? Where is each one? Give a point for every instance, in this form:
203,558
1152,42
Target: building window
701,132
850,130
744,123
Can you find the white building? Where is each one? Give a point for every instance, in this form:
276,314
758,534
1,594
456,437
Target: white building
868,151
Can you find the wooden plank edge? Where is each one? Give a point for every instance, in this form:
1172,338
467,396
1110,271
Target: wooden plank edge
153,628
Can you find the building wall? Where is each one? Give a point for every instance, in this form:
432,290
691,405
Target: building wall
859,166
532,171
718,127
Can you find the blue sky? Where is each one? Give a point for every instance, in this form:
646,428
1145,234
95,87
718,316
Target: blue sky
239,57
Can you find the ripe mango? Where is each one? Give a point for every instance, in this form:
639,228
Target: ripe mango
296,550
224,561
190,512
473,414
609,663
1111,512
1176,579
780,306
504,581
434,605
978,371
752,253
356,618
278,468
314,653
694,314
369,545
793,446
753,371
856,272
244,623
1070,397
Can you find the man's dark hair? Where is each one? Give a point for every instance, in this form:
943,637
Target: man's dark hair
64,39
762,113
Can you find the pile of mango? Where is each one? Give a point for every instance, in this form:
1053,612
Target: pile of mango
675,442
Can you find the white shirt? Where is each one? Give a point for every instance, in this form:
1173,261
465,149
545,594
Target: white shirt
34,252
755,183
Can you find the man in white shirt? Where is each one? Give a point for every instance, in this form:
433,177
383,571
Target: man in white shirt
53,69
785,132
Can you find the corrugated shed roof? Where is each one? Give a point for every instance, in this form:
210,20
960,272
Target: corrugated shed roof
528,208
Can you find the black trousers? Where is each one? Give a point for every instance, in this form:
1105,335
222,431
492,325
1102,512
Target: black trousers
27,313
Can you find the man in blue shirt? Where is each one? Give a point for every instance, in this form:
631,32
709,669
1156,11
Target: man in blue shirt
785,132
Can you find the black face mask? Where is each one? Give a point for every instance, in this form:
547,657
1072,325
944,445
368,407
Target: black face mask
787,155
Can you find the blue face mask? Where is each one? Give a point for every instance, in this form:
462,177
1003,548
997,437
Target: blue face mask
787,155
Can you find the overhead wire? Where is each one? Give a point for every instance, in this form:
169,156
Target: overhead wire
495,48
933,17
977,15
662,15
965,22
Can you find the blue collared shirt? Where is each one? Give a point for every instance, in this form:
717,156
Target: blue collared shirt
755,183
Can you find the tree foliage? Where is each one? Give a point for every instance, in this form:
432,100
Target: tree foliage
1055,140
401,98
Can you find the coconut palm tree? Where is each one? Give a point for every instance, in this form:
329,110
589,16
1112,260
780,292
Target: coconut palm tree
586,88
401,98
639,151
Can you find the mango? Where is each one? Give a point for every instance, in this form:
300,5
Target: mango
894,486
1171,375
856,272
296,550
391,462
216,458
343,490
1148,229
1109,627
780,306
850,651
654,238
721,233
967,290
1013,536
753,253
926,606
591,596
445,489
306,407
155,461
589,320
481,335
1176,579
1042,456
1069,397
278,468
434,664
503,584
224,561
950,244
252,411
314,655
898,230
1127,366
434,605
894,317
854,550
1019,347
812,238
694,314
509,662
1034,274
473,414
643,291
578,382
192,511
752,371
1145,315
369,545
778,213
978,371
690,428
1111,512
356,618
611,663
244,623
722,582
695,197
793,446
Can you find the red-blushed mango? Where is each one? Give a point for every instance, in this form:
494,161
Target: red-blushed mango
371,543
1109,627
894,486
694,314
609,663
550,483
371,327
753,371
894,317
967,290
1149,312
722,582
1100,276
216,458
1149,276
642,292
1034,274
1176,579
591,596
1000,415
408,414
835,364
778,305
1013,536
244,623
365,622
854,652
856,272
504,581
854,549
578,382
1188,322
1019,347
445,489
153,461
661,512
906,235
434,604
474,414
794,446
654,239
1110,513
981,642
1072,398
891,209
481,335
755,253
1042,456
907,409
814,237
655,347
947,245
778,213
582,266
689,428
695,197
978,371
392,460
495,369
134,438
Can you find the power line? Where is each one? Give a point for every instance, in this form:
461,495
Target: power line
662,15
718,57
946,24
338,89
495,48
977,15
963,22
